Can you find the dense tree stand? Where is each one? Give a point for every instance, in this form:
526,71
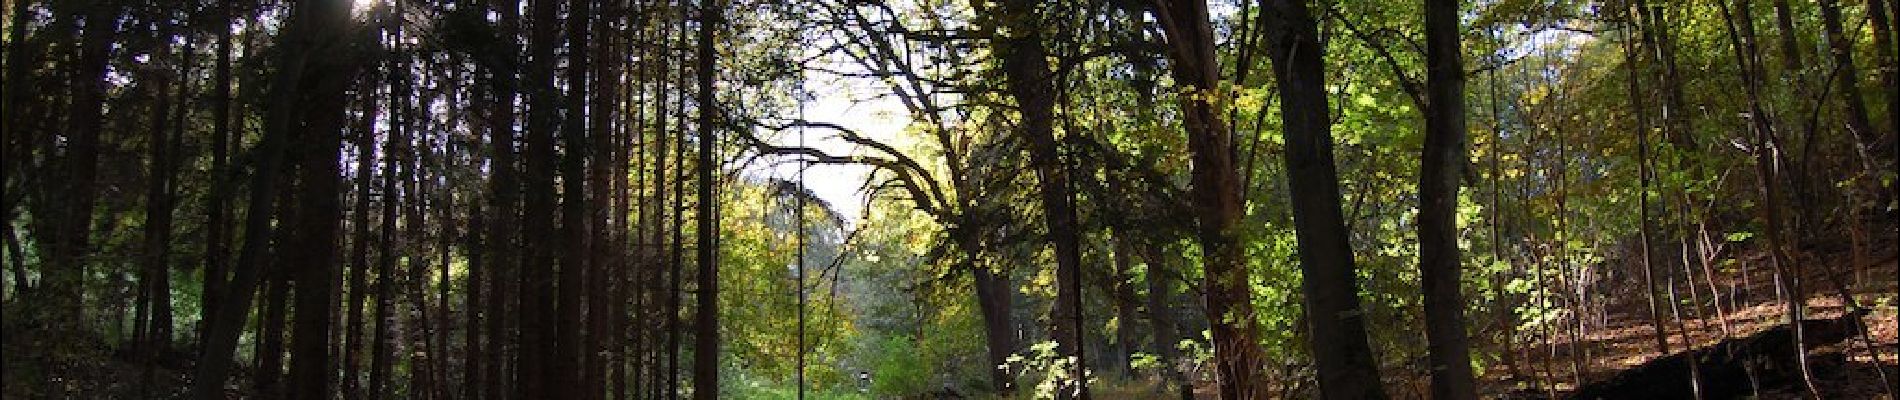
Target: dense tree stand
902,199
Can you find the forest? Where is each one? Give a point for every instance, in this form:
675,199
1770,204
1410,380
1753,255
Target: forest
949,199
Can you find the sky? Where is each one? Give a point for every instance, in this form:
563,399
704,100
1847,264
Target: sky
838,101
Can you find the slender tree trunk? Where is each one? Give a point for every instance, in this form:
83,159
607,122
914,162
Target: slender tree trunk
675,286
154,295
667,264
217,234
269,373
1126,303
387,250
603,269
504,191
1647,230
17,138
1766,152
1162,316
1440,171
1508,303
1881,19
158,218
1847,82
565,372
360,244
538,213
20,57
706,312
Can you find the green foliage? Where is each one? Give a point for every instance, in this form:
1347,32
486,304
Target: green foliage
897,368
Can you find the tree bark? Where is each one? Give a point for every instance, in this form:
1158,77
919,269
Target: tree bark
1126,303
217,235
706,311
994,298
1161,316
63,280
504,193
538,213
221,332
1338,336
359,249
1766,152
313,259
1880,15
159,197
1440,171
566,371
1847,82
268,376
1031,83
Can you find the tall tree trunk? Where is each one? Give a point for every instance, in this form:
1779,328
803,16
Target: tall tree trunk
675,286
158,218
221,332
1161,316
1338,336
538,213
1880,13
154,296
20,57
313,260
1031,83
667,264
1647,231
386,252
504,193
565,372
360,244
17,138
1847,82
268,376
1441,168
217,234
63,280
994,298
1766,153
603,270
706,312
1126,303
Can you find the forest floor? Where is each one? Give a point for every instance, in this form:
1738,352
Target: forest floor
83,365
1616,339
1622,336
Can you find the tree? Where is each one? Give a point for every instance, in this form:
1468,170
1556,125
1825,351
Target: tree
319,217
706,307
1338,336
312,26
1217,197
64,285
1440,172
1030,82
